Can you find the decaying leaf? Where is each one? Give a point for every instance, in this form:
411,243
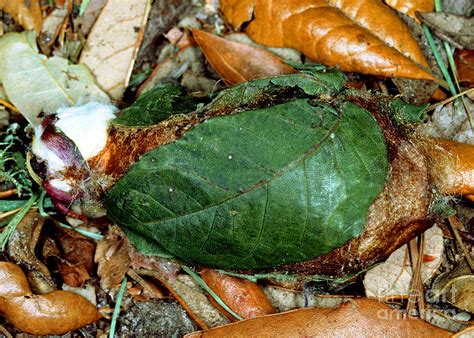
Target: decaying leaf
456,29
21,248
192,298
34,83
188,62
244,297
26,12
410,7
76,263
456,286
112,258
113,43
51,27
465,66
358,317
237,62
393,277
54,313
358,36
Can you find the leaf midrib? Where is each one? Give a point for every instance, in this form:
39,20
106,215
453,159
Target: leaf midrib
290,166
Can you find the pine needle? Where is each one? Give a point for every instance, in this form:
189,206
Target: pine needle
10,228
206,287
121,292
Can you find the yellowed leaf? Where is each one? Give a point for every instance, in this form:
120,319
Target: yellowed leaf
113,43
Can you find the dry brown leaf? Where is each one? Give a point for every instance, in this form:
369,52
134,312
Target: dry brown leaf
465,66
410,7
456,286
393,277
237,62
356,318
362,36
54,313
113,43
22,247
76,263
244,297
112,258
26,12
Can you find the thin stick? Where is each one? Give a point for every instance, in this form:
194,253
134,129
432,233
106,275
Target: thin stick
453,222
141,281
416,294
9,106
452,98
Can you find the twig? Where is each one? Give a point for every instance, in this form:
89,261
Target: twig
120,294
416,286
9,106
454,222
5,332
452,98
206,287
141,281
7,193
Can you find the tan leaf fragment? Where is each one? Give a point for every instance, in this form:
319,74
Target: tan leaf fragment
113,43
361,36
237,62
393,277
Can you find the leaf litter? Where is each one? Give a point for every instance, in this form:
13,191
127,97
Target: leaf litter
205,75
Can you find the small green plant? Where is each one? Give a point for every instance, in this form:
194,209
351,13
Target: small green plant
12,163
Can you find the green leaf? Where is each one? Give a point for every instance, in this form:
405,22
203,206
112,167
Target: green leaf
35,83
258,188
265,92
156,105
404,113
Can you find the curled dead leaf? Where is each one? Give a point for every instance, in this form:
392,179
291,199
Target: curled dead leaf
26,12
244,297
358,36
54,313
237,62
22,246
358,317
